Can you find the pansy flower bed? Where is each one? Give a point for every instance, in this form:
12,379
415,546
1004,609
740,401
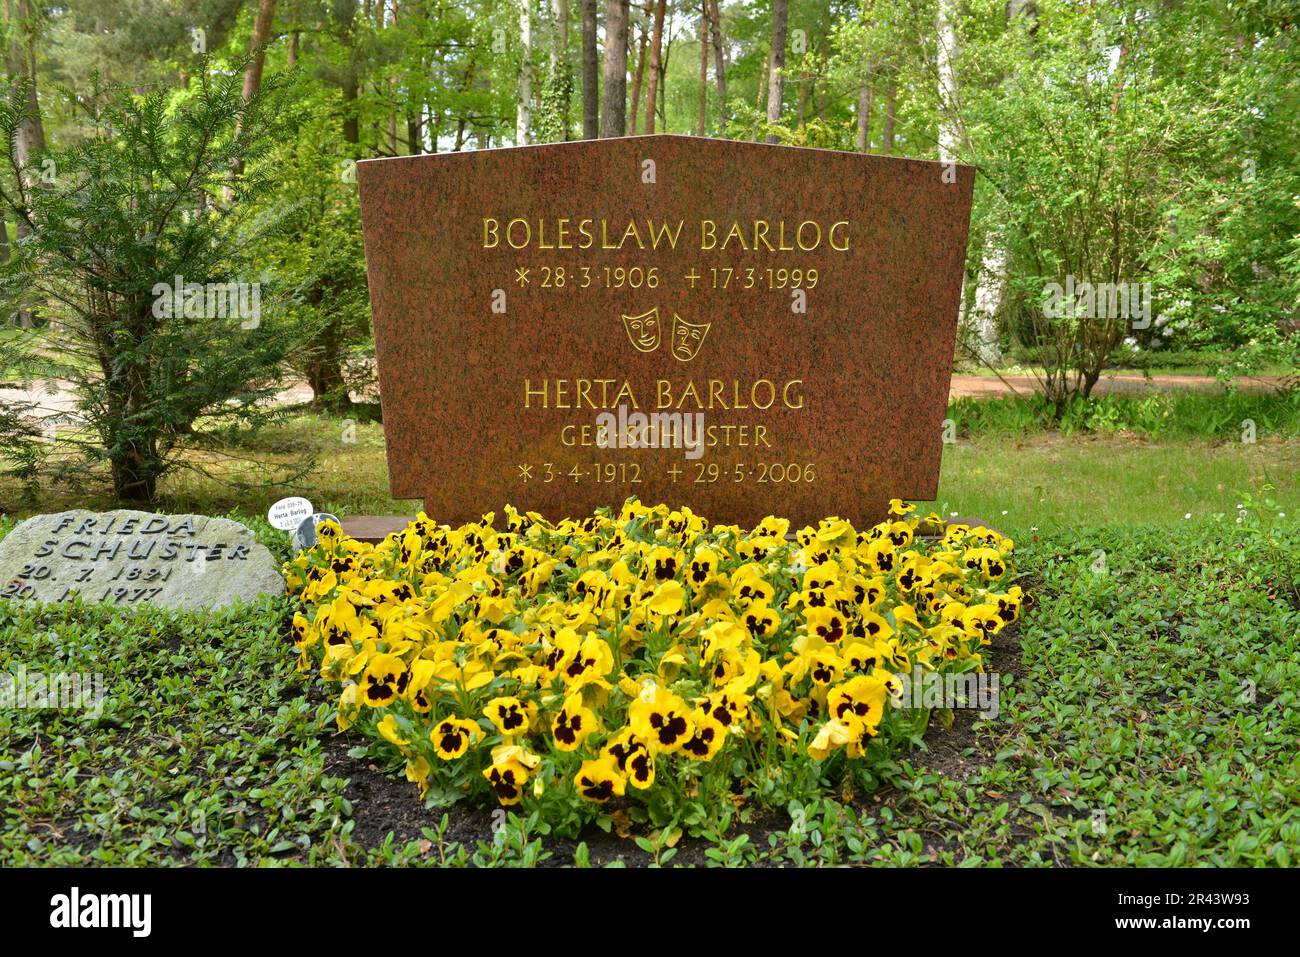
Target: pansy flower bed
643,655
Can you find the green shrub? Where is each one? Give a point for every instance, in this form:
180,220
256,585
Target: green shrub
159,197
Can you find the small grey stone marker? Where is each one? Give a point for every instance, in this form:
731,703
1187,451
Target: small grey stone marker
136,558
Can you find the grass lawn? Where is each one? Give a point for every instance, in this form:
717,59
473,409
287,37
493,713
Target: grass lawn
1059,482
1039,479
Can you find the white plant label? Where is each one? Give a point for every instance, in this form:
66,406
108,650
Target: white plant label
288,513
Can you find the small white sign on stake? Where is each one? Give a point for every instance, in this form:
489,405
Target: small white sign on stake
288,513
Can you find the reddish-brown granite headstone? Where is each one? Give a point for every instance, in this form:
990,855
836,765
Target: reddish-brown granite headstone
780,322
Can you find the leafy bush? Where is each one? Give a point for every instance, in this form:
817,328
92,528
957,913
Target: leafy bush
644,653
1129,148
319,258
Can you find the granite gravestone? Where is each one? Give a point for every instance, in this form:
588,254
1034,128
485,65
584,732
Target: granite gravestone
136,558
744,328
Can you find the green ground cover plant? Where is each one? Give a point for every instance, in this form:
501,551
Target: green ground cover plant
1148,716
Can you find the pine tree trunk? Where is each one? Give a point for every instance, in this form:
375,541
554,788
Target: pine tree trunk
392,117
590,73
133,480
719,62
775,84
656,65
663,85
20,62
704,66
261,33
132,450
637,77
35,124
133,459
862,141
524,104
6,319
323,363
325,372
414,138
613,101
351,114
890,97
253,73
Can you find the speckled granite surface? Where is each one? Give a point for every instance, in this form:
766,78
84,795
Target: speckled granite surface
499,385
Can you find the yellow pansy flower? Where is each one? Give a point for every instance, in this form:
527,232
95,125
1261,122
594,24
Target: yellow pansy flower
506,776
667,599
661,719
383,680
683,633
599,779
830,736
388,728
510,715
571,724
708,737
348,707
828,624
452,737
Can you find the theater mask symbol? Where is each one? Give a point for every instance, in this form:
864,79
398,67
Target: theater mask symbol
643,330
687,338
